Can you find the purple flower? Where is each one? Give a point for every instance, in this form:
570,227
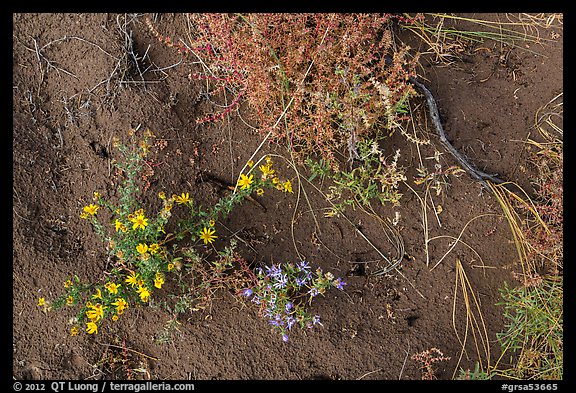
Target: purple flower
247,292
290,321
289,306
300,281
282,281
285,337
313,292
274,322
273,271
316,320
277,321
339,283
303,265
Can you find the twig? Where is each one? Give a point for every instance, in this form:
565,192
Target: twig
433,109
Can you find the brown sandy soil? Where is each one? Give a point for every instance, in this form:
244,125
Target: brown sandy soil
70,100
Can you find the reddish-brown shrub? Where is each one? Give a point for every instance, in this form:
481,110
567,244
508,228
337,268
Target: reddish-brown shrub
318,82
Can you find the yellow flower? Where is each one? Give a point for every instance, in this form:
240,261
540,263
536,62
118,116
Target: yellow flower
211,223
161,195
91,209
119,226
98,295
149,134
170,267
144,146
250,163
112,287
158,280
69,300
74,331
259,192
144,293
275,181
41,302
121,305
266,170
207,234
96,195
132,279
142,248
154,247
288,186
245,181
114,317
67,284
91,328
182,199
139,220
96,313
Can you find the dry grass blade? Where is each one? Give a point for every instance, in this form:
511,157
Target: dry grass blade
504,197
547,118
457,240
301,191
447,43
424,214
543,20
500,31
392,234
474,320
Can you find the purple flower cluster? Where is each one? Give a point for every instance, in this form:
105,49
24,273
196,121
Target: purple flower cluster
281,292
